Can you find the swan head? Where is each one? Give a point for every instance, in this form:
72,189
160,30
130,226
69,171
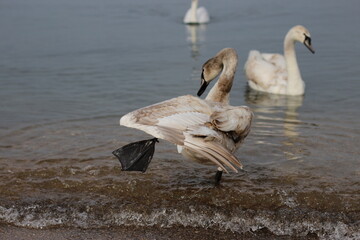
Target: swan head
301,34
210,71
225,59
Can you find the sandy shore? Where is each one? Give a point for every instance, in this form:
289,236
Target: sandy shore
8,232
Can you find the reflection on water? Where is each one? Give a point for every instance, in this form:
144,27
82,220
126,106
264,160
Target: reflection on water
267,108
195,35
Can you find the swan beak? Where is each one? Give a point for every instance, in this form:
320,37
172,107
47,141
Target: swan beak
202,89
307,43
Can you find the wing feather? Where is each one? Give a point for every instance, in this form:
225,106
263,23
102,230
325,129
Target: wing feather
265,71
232,119
208,156
215,150
169,119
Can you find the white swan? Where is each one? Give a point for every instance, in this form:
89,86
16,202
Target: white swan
275,73
196,15
206,131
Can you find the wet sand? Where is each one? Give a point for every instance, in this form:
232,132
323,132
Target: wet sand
9,232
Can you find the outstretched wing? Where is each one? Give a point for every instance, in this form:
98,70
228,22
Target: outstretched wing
169,119
187,121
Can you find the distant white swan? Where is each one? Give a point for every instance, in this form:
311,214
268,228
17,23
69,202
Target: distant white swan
196,15
275,73
206,131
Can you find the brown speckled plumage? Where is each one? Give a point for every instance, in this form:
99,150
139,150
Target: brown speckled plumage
206,131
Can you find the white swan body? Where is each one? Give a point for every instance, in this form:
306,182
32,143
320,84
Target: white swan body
206,131
276,73
196,15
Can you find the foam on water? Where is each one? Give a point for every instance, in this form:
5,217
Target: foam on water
288,222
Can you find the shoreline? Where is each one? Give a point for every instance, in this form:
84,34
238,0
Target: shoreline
10,232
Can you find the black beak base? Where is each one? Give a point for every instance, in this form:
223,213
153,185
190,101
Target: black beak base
307,43
203,87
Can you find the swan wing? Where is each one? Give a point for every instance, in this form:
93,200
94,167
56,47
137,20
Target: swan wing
213,151
264,75
169,119
234,121
185,121
202,15
276,59
226,130
187,17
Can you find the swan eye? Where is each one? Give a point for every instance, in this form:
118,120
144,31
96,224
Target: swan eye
307,39
202,75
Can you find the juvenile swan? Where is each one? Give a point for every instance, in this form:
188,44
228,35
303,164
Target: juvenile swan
275,73
196,15
205,131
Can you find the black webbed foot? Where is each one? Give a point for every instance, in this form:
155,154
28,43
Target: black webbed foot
136,156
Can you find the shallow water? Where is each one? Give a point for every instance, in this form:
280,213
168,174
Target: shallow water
70,70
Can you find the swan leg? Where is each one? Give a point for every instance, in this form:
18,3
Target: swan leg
218,176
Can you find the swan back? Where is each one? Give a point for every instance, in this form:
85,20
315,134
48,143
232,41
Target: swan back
196,15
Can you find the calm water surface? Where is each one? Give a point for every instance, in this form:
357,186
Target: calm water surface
70,69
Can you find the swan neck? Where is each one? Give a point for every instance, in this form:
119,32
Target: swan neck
194,6
220,92
296,85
